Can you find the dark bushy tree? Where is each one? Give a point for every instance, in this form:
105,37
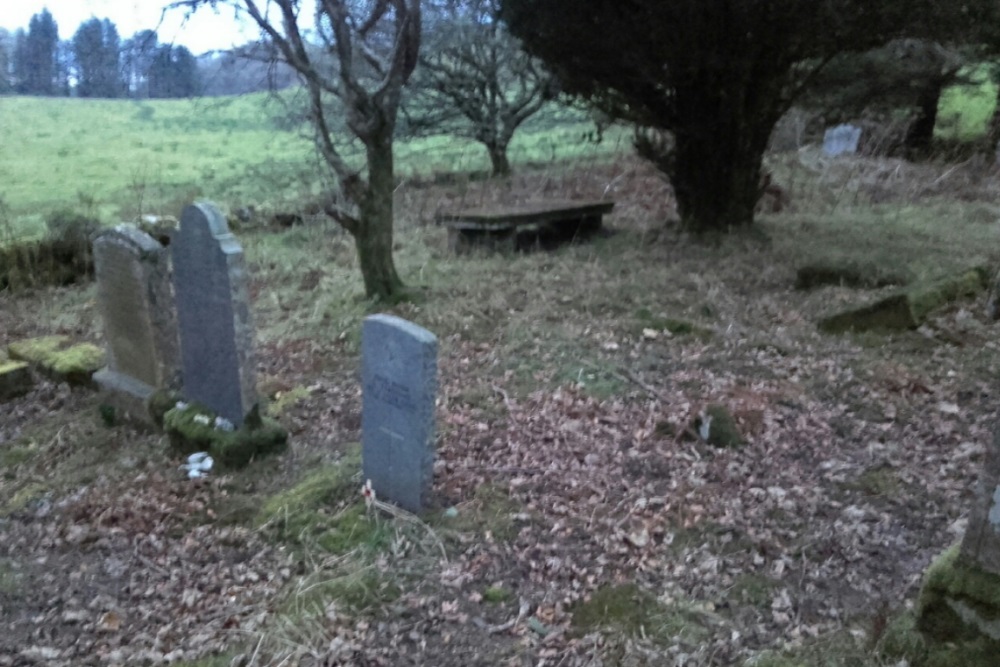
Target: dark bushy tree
6,56
96,52
717,75
474,80
137,56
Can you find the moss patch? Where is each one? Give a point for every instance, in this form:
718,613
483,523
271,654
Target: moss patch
959,603
321,511
58,358
628,609
192,428
718,427
497,594
907,309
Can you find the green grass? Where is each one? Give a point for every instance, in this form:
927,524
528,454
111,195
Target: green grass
116,159
964,111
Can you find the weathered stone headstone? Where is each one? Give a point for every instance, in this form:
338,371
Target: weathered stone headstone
140,324
981,544
213,313
399,382
841,139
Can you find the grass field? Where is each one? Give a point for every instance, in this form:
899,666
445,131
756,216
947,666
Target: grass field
119,158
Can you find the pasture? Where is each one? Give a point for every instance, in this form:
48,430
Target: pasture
579,519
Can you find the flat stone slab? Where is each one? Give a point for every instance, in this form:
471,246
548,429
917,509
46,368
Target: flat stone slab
58,358
15,379
506,217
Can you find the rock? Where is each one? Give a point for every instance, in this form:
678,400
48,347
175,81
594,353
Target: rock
57,358
906,309
15,379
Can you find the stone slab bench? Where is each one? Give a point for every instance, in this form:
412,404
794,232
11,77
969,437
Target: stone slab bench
523,225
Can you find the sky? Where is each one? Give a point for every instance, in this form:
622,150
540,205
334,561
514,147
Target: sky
204,31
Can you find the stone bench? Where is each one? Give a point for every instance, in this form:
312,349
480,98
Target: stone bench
524,225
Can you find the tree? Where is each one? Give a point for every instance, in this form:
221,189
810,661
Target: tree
906,75
96,51
137,59
173,72
475,80
37,61
717,75
6,56
362,53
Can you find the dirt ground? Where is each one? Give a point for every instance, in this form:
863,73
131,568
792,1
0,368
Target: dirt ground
566,450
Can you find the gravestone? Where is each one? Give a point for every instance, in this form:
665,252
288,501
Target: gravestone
841,139
140,325
399,385
981,543
213,314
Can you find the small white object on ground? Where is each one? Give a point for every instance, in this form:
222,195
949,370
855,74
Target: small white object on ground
198,465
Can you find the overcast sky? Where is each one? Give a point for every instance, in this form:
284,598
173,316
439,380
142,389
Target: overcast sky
204,31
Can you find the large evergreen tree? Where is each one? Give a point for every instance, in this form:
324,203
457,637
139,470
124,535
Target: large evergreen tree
138,53
6,56
38,63
96,50
717,75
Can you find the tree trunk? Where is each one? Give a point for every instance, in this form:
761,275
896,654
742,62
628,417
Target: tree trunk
718,153
921,132
373,236
498,158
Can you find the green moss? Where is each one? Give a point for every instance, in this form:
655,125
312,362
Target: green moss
497,594
646,320
949,583
628,609
723,431
321,511
907,309
8,578
489,513
902,640
56,357
285,400
36,350
192,429
21,499
161,402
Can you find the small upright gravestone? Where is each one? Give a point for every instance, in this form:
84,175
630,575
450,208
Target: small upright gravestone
213,311
399,383
841,139
140,324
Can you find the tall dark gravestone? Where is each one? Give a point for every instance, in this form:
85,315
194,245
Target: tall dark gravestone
399,384
213,311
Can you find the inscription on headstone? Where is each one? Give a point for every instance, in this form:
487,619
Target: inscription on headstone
399,385
140,326
213,311
981,544
841,139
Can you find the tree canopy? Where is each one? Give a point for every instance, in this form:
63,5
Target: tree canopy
717,75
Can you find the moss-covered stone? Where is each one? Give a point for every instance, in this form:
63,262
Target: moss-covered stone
160,402
959,602
15,379
718,427
907,309
192,428
57,358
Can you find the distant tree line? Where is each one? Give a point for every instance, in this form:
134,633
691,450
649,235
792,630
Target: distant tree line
97,62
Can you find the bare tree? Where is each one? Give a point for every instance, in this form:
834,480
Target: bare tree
361,52
474,79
